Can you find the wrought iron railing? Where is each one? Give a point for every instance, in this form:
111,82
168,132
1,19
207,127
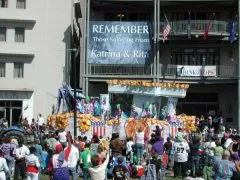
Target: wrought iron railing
217,27
170,70
118,69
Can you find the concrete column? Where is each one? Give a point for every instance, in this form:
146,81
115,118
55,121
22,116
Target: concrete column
158,45
155,40
238,122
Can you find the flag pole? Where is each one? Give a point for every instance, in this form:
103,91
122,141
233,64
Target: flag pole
189,25
166,18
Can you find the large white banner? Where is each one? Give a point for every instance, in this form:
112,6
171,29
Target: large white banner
196,71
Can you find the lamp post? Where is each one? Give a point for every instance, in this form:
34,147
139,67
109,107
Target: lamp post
76,53
75,90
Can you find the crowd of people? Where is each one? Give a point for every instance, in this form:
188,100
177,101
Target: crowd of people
212,152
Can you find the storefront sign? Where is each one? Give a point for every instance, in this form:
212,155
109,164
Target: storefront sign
197,71
112,42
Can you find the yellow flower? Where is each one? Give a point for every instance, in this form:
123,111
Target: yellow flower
84,124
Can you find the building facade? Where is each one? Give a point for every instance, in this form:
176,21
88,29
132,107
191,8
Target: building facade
202,49
35,45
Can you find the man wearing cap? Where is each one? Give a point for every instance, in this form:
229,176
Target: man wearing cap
58,167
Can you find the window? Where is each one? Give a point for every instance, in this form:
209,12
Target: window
3,34
178,16
21,4
195,56
2,69
18,70
3,3
19,34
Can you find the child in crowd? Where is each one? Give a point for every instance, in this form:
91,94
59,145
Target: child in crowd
32,164
98,172
129,149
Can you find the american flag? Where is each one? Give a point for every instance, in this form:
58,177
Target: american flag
166,30
174,128
205,35
98,128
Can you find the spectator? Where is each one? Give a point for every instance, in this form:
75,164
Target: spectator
168,149
129,149
7,150
38,153
85,160
20,164
63,138
120,171
218,151
224,168
98,172
139,144
182,149
101,153
71,156
117,146
51,143
40,122
32,164
57,165
94,144
3,166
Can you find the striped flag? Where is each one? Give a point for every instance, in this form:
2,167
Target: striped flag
205,35
232,32
98,128
189,25
174,128
166,30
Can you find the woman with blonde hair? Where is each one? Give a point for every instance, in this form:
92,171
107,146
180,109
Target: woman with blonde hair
139,144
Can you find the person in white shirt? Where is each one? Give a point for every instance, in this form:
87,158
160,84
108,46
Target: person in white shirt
20,164
63,138
40,122
208,146
3,167
181,149
72,157
129,149
32,164
98,172
139,144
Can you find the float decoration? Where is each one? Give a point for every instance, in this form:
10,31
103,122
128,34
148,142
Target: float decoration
133,125
148,84
84,124
188,121
113,121
61,121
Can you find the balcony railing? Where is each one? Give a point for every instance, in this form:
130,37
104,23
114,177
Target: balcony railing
222,71
198,27
124,70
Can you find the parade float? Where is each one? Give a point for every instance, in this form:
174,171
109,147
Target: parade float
96,116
